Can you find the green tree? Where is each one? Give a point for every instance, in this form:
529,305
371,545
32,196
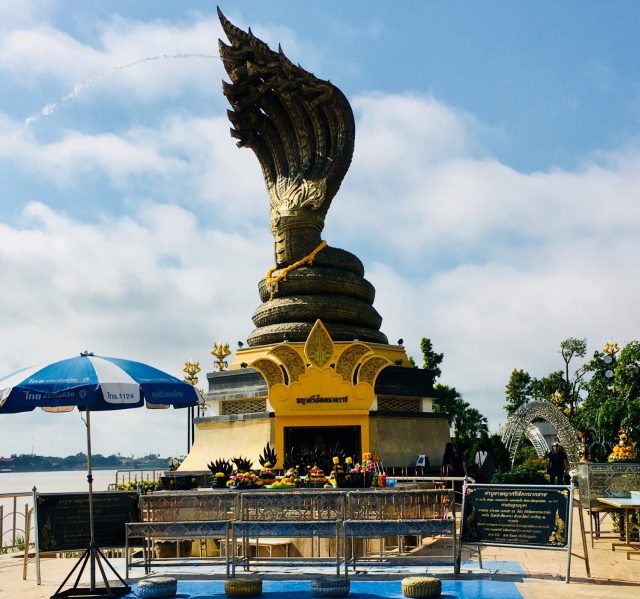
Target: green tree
627,385
518,390
430,359
551,388
470,424
612,399
570,349
600,413
561,387
467,422
446,400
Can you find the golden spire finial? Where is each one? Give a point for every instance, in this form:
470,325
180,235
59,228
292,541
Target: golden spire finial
557,397
611,348
220,351
191,370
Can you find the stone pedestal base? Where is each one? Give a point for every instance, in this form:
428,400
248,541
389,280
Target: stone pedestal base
243,587
421,586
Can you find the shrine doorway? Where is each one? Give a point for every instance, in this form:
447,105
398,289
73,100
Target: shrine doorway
311,441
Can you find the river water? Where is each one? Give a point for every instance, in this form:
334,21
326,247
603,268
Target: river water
59,481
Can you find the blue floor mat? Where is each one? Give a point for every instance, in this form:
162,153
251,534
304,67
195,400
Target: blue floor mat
390,589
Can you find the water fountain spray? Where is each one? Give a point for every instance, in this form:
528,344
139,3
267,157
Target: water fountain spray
78,88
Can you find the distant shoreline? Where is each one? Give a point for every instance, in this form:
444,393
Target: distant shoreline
40,463
7,471
59,481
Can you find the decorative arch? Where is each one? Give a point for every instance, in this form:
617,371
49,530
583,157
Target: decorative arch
537,439
520,424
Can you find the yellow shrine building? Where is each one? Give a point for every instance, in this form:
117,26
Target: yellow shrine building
359,397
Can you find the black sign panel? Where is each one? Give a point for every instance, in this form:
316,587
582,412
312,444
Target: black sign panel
516,515
63,519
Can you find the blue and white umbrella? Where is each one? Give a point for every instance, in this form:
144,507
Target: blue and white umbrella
93,383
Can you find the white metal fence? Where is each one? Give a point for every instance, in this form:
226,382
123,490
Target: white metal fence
16,524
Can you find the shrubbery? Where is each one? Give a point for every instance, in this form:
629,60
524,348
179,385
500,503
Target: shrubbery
520,475
145,486
535,461
529,469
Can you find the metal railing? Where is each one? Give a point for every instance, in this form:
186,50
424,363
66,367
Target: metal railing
340,517
16,524
133,475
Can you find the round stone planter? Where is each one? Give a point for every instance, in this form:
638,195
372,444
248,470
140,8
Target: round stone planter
158,586
421,586
243,587
330,586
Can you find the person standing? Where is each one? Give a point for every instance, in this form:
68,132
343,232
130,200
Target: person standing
460,466
448,460
485,466
557,464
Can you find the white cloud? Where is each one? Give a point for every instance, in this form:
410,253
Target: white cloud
23,12
491,318
114,156
394,129
131,60
193,161
31,53
42,52
496,266
421,161
158,286
125,41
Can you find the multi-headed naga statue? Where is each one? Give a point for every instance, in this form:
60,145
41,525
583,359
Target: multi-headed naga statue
302,130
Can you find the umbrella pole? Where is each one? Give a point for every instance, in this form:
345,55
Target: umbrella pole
92,554
92,537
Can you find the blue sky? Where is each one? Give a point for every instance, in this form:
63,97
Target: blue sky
493,196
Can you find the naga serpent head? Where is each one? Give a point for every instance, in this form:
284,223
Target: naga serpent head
300,127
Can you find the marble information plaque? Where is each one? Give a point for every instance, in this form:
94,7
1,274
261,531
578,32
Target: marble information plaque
534,516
